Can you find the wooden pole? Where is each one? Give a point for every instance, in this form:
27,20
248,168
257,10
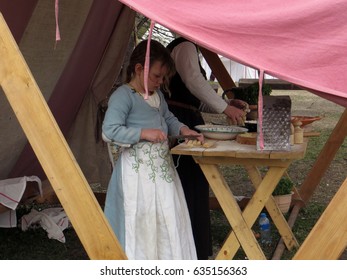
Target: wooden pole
53,152
218,69
328,238
324,159
291,220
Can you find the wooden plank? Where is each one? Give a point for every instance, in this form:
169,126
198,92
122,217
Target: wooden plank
229,248
230,245
272,208
328,238
262,193
324,158
218,69
54,153
241,229
297,151
184,149
223,149
255,205
241,161
311,133
233,149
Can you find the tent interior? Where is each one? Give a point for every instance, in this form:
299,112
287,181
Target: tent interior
75,74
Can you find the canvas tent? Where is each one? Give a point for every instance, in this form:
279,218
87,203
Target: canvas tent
74,75
285,41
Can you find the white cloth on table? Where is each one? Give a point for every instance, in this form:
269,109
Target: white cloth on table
11,192
52,220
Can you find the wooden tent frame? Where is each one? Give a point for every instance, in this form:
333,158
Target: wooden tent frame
53,152
327,240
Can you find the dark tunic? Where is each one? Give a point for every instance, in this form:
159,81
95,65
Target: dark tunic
184,106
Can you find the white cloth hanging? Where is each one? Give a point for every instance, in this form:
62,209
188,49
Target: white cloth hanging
11,192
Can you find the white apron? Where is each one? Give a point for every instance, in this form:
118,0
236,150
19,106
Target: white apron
157,224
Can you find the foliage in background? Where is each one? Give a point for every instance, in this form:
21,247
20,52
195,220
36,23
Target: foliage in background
284,186
250,93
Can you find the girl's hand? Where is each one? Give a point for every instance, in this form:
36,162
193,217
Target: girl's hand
185,130
153,135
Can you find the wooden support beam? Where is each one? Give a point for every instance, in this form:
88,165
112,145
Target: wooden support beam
241,228
291,220
328,238
324,159
53,152
218,69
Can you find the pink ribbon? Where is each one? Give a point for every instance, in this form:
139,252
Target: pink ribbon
57,32
260,110
146,70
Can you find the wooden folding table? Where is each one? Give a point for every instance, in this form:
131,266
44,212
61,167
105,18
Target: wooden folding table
233,153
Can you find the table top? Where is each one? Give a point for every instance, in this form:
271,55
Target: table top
233,149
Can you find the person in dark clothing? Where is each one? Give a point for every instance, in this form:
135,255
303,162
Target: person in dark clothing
189,93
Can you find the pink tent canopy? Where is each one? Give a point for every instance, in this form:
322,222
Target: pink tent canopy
303,42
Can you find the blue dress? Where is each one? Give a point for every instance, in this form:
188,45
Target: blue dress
145,203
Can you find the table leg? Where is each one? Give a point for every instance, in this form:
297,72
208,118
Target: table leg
242,232
253,208
275,214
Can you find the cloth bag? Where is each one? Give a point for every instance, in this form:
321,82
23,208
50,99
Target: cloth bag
11,192
53,220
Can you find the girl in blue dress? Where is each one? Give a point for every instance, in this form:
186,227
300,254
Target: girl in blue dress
145,203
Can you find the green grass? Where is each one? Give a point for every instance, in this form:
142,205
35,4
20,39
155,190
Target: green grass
304,223
34,244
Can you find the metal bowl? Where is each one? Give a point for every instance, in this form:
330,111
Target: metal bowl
220,132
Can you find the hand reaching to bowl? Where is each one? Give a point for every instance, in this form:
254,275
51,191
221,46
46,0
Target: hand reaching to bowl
236,112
